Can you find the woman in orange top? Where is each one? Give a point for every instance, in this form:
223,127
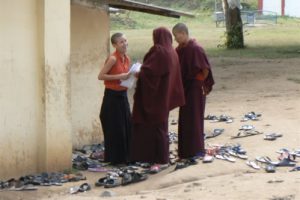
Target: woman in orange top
115,111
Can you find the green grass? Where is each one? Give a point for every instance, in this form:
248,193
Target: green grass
271,41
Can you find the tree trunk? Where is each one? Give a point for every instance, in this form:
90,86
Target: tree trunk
234,24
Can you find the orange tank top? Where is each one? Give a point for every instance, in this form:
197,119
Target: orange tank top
118,68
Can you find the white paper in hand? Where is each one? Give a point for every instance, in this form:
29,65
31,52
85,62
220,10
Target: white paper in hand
130,82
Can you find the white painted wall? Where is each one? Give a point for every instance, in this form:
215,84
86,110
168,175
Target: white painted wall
292,8
58,128
35,116
89,49
21,87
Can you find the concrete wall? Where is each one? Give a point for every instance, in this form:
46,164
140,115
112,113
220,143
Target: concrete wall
89,49
58,129
35,119
21,88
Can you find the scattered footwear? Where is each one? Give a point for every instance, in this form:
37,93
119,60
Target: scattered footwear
272,136
101,182
84,187
253,164
270,168
285,163
156,168
237,155
243,134
216,132
297,168
181,165
133,177
97,155
112,182
221,118
208,159
185,163
251,116
226,157
247,127
173,138
263,159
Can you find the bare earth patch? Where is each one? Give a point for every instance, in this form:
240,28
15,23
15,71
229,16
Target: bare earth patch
269,87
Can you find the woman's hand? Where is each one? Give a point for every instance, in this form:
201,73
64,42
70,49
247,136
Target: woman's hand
124,76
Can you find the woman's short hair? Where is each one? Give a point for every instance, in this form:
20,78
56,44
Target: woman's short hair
115,36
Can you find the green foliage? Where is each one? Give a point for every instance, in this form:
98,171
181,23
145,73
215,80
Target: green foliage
270,41
235,37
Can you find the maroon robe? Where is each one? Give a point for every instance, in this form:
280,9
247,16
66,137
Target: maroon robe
191,116
159,90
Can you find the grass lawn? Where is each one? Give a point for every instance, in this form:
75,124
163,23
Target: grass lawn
281,40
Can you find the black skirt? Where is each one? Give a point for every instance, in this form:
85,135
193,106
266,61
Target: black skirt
115,119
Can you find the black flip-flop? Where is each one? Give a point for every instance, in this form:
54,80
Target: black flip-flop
84,187
133,177
270,168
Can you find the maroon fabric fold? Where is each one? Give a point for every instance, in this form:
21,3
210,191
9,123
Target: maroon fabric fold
193,58
159,87
191,116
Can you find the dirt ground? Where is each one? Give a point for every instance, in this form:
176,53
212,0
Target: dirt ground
269,87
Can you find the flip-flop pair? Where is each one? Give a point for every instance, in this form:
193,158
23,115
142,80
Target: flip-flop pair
237,155
82,188
246,133
109,182
133,177
185,163
272,136
226,157
253,164
216,132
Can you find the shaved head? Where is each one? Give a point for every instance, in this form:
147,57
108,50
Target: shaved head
115,37
180,27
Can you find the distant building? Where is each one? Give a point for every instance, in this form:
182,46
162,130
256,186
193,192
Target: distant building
281,7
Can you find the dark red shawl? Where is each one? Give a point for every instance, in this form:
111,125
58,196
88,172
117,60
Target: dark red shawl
193,60
159,87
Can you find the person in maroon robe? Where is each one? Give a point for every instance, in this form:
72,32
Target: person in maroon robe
197,82
159,89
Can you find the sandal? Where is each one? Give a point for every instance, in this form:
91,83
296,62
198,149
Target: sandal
253,164
251,116
285,163
246,134
272,136
215,133
112,182
270,168
237,155
133,177
101,182
223,156
262,159
247,127
97,169
84,187
207,159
